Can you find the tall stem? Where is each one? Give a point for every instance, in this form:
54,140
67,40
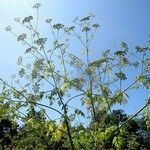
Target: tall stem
90,78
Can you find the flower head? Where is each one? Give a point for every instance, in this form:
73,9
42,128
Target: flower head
8,28
48,20
21,37
17,19
37,5
58,26
27,19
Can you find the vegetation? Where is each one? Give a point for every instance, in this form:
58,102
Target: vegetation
60,100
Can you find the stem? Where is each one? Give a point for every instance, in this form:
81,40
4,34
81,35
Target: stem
91,89
37,19
63,64
87,50
102,147
64,106
109,108
74,97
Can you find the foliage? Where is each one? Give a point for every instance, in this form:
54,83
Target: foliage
52,79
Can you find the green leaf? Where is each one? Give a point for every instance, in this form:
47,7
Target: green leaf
120,53
79,112
121,75
141,49
148,100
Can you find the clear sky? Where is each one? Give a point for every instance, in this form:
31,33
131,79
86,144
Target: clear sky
120,20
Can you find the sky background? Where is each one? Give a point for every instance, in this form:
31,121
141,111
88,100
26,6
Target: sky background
120,20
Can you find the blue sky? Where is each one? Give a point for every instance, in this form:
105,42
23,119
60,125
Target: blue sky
120,20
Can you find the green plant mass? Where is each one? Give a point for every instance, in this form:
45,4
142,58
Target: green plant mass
61,99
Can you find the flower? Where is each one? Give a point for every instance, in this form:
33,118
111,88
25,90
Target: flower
13,76
58,26
30,49
20,59
41,41
27,19
48,20
8,28
17,19
21,37
86,19
37,5
95,26
68,29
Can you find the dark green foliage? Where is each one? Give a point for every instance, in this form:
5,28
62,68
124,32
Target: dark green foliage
8,134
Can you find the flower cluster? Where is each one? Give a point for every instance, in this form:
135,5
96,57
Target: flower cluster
37,5
8,28
41,41
30,49
17,19
27,19
21,37
48,20
58,26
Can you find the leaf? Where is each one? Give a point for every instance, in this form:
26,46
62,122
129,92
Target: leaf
124,62
124,46
98,63
118,142
79,112
119,97
36,87
64,87
120,53
145,80
121,75
141,49
148,100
